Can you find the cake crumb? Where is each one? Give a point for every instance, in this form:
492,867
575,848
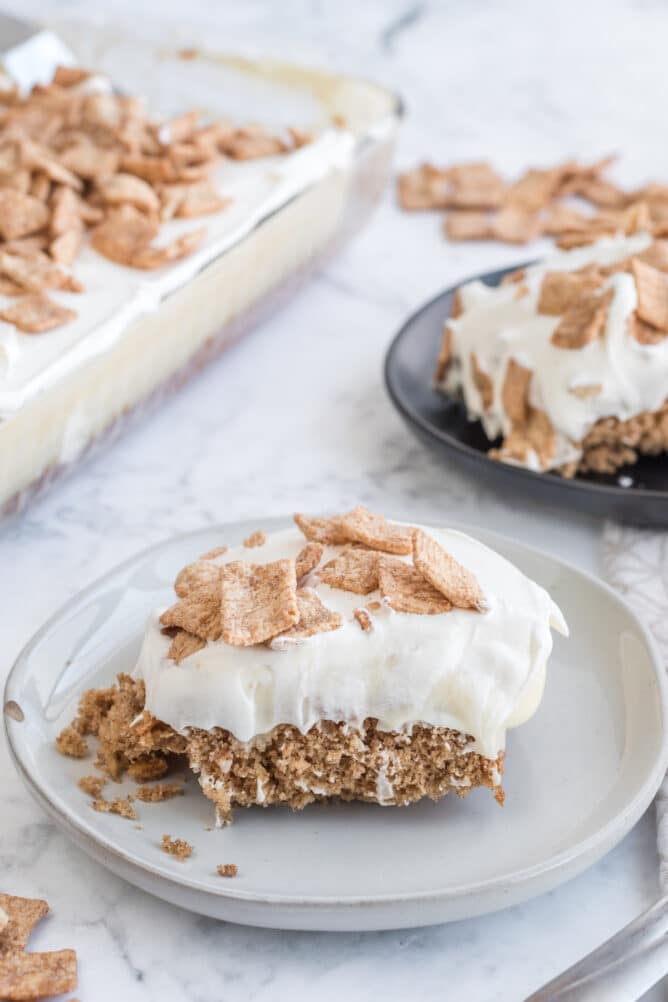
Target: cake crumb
70,742
177,847
159,791
139,828
255,539
148,768
227,869
119,805
92,785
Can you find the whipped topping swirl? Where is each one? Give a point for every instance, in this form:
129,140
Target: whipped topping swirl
478,673
498,326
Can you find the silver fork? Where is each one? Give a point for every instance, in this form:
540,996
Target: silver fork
620,970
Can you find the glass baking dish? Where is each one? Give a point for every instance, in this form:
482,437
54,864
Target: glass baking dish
53,430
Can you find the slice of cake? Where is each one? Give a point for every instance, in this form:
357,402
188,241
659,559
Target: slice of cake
349,658
567,361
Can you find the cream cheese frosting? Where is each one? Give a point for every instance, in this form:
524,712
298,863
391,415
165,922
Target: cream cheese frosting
498,327
115,295
479,673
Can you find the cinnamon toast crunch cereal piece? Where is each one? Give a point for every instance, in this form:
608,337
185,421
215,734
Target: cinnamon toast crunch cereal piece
150,257
198,612
467,225
444,354
128,189
354,569
259,601
482,382
20,214
514,225
643,332
364,619
27,976
362,526
583,322
652,290
515,391
475,186
424,187
36,273
36,313
314,617
405,589
22,915
562,289
183,645
195,575
446,574
124,234
322,530
308,558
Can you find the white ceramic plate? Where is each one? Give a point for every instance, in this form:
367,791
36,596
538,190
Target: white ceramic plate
578,775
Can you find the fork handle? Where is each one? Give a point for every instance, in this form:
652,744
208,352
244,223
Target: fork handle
621,969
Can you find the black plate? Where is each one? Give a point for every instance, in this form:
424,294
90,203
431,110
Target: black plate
441,423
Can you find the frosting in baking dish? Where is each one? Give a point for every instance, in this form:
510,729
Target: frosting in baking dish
497,326
476,672
115,295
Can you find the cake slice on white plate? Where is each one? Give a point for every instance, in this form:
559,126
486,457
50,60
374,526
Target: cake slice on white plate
349,658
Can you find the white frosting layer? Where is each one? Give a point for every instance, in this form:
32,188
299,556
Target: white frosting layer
479,673
497,327
114,295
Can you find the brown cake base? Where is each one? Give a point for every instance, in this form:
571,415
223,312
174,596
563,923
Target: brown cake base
612,443
609,445
331,761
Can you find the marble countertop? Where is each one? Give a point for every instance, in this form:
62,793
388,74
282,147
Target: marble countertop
517,82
